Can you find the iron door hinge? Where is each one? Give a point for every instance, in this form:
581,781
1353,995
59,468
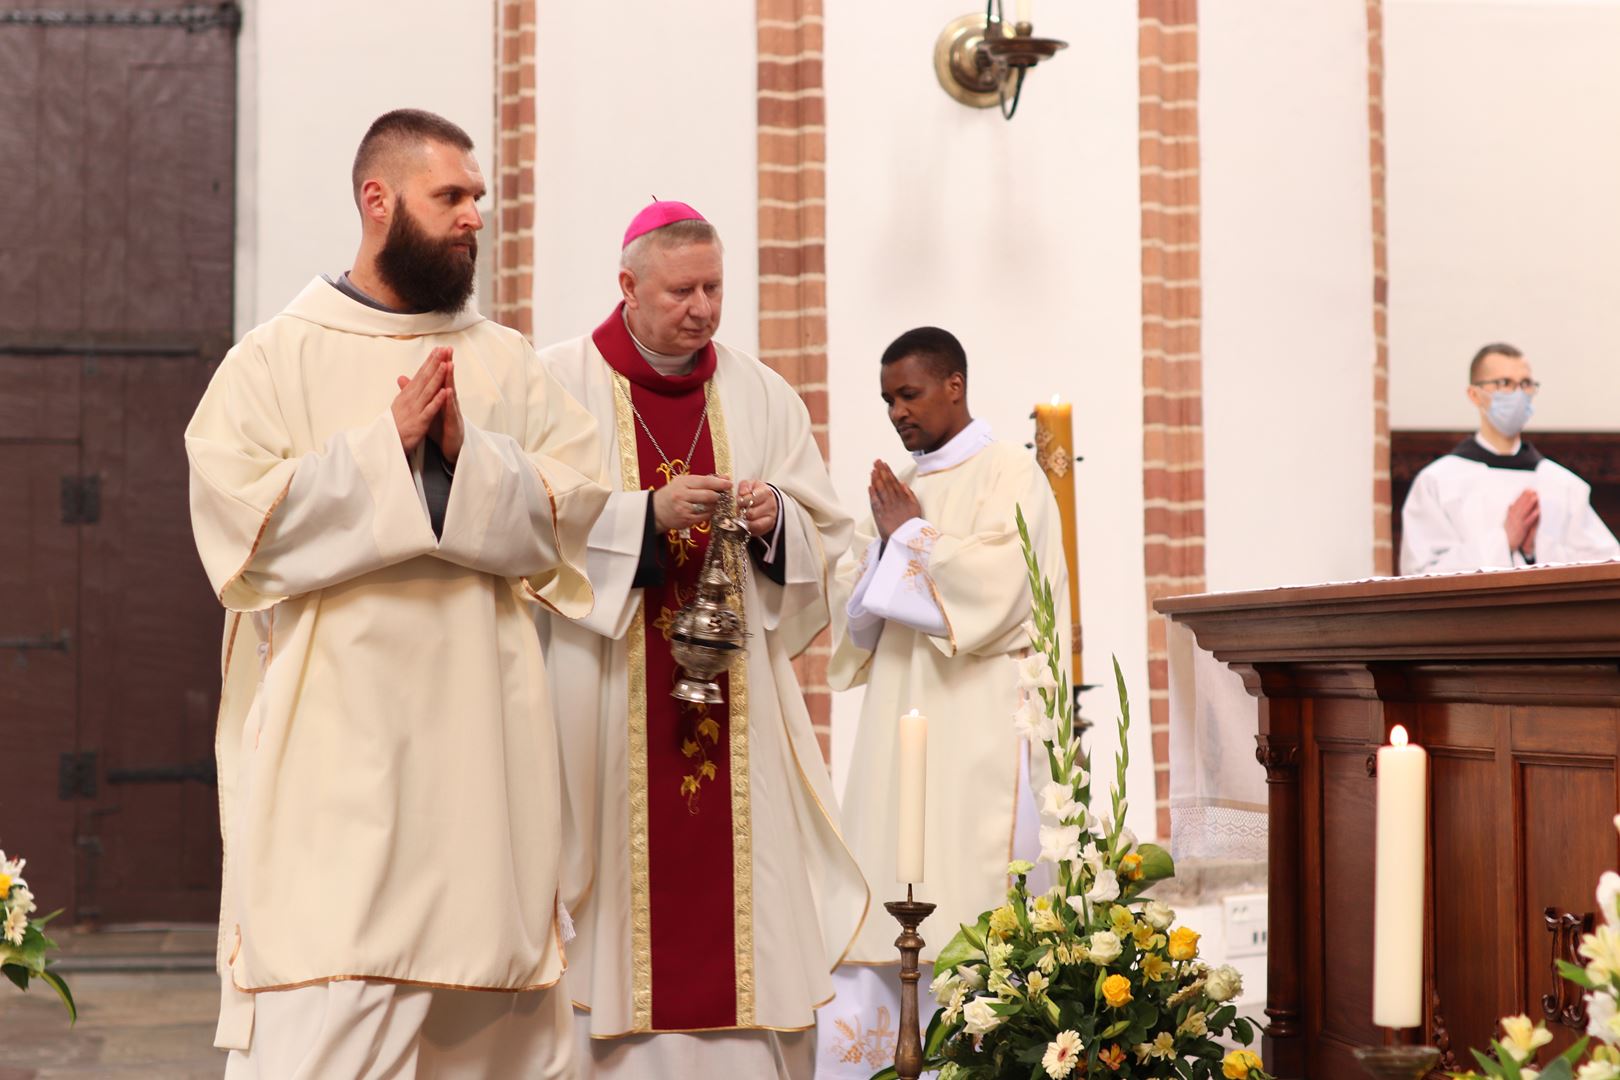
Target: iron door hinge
81,500
76,776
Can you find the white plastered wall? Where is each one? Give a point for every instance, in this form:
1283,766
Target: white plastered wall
665,109
1023,239
311,78
1288,279
1502,213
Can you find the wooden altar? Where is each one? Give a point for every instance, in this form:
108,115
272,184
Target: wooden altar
1511,680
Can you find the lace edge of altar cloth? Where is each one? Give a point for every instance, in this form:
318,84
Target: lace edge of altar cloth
1217,832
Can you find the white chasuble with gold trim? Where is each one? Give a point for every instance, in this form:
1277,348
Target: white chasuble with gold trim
958,572
387,760
656,951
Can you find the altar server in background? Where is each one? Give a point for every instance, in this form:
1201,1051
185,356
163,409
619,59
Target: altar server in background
931,610
1496,501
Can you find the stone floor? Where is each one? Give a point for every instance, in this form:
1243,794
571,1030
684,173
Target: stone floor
147,1001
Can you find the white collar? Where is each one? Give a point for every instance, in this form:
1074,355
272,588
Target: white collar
1492,450
963,445
662,363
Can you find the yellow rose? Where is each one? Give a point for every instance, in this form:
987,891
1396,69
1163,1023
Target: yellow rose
1131,866
1183,943
1239,1063
1117,991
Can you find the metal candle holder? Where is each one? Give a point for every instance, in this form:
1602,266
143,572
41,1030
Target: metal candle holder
1398,1062
908,1051
709,633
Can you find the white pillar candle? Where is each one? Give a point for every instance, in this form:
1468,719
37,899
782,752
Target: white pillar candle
1403,828
913,792
1024,8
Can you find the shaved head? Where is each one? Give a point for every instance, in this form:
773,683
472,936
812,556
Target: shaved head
393,141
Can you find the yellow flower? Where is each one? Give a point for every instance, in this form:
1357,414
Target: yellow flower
1048,962
1239,1063
1117,991
1522,1039
1131,866
1035,983
1124,922
5,884
1155,967
1603,950
1145,936
1043,920
1183,943
1003,921
1113,1057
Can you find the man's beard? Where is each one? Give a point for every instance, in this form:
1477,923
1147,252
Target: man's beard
427,274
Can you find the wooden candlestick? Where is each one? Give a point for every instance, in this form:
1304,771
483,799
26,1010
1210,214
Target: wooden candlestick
908,1051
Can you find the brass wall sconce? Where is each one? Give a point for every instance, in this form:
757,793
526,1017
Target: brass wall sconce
981,60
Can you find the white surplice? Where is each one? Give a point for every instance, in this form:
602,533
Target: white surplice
807,895
388,769
933,620
1455,515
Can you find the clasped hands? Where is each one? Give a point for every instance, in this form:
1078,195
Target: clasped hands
688,501
893,504
426,406
1523,519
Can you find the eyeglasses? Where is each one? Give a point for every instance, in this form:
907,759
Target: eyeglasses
1529,386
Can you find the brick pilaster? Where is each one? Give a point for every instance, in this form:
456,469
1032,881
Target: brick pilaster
511,226
1383,552
792,145
1172,360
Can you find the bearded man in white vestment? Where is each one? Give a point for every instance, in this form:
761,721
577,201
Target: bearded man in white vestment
713,894
1496,501
931,612
383,485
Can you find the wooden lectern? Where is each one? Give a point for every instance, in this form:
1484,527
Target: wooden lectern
1511,681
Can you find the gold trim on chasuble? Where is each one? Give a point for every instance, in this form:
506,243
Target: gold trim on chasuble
742,852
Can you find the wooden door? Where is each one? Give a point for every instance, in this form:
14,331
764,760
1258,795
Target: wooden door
116,255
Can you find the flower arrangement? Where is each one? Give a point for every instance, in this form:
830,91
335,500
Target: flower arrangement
1513,1056
23,943
1088,979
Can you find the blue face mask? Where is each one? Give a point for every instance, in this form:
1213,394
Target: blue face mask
1509,411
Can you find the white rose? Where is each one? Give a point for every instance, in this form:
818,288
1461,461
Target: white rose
980,1017
1224,984
1057,801
1105,888
1160,915
1601,1013
1105,946
1608,896
1059,843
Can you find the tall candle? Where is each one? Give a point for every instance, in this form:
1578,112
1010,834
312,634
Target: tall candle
1054,452
1024,8
1398,877
913,796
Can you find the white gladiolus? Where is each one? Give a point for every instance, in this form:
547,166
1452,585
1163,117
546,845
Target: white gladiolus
1059,843
1057,801
1034,673
1105,888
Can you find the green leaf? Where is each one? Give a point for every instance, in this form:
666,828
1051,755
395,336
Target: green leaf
17,974
938,1032
1576,974
1156,862
886,1074
1560,1069
56,983
1243,1031
961,949
1570,1056
1115,1028
44,919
